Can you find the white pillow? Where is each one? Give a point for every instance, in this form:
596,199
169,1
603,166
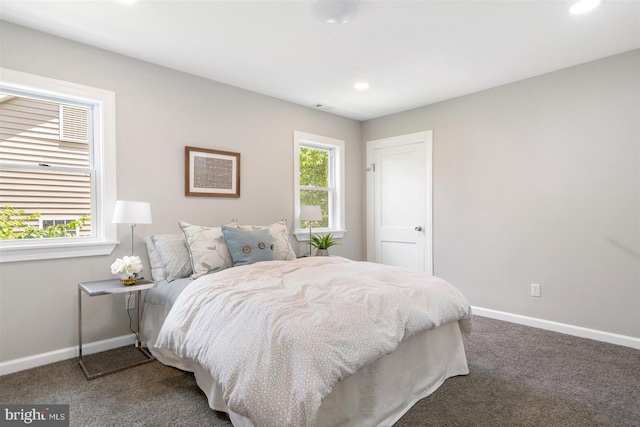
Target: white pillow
155,260
207,248
280,233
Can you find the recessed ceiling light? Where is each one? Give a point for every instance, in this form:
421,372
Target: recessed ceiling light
128,1
335,11
584,6
361,85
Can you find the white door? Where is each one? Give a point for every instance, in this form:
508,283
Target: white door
399,226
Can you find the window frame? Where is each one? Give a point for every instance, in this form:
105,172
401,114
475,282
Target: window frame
336,147
103,160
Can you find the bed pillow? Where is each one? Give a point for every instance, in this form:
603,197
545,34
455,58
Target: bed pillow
280,234
155,260
174,254
249,246
207,249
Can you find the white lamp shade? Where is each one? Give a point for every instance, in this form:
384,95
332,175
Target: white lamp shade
127,212
310,213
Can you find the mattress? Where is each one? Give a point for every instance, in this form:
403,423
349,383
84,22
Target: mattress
376,395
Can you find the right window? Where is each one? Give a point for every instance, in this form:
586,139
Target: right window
319,181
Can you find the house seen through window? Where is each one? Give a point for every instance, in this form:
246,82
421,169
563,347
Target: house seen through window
45,168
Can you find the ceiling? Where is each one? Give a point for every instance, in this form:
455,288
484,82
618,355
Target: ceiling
412,53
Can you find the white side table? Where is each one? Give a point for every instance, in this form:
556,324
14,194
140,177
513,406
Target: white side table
109,287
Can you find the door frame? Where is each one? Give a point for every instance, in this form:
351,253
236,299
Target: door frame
425,137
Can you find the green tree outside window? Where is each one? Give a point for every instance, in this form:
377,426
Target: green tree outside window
14,224
314,182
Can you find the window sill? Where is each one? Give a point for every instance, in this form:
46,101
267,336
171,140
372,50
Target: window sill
303,235
40,251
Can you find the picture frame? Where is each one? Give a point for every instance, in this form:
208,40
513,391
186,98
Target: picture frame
211,173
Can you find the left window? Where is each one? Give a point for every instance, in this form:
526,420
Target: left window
57,168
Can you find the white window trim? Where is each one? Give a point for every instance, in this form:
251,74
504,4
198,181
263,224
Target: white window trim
104,157
338,227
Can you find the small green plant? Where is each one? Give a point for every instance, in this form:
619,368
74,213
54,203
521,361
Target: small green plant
323,241
14,225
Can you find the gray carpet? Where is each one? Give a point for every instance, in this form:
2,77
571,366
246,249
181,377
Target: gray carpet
519,376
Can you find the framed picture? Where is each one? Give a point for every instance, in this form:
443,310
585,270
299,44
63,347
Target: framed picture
211,173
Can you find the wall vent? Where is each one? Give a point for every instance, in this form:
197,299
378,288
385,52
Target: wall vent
74,124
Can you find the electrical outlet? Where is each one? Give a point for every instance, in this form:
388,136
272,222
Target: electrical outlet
536,290
130,302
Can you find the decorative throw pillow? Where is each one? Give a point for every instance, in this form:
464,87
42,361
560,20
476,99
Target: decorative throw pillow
175,256
280,233
207,247
248,246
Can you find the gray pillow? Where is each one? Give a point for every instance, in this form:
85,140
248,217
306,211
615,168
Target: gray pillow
175,255
155,260
248,246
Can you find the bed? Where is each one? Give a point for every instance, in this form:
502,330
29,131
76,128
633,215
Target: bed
313,341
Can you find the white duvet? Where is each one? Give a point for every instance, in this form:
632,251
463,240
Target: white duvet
278,335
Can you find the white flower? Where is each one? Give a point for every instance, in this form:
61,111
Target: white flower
128,269
117,267
132,264
128,266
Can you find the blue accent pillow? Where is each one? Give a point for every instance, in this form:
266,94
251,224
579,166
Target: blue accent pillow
249,246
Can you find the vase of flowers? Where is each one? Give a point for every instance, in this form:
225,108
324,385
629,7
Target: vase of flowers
127,269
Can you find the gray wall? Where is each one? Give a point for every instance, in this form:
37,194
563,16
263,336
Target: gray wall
159,111
538,182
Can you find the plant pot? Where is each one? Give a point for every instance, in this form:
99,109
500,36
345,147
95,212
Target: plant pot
322,252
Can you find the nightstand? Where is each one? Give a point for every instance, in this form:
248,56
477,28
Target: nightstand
110,287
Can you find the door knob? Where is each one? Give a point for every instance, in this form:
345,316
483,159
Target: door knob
418,228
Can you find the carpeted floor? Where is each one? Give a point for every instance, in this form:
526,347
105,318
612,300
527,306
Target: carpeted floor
520,376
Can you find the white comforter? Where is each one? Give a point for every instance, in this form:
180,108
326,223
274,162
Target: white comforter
278,335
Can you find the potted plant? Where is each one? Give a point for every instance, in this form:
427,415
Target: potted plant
323,243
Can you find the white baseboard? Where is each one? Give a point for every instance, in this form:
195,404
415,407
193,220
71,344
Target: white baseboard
563,328
29,362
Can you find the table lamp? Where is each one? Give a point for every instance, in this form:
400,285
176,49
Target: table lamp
310,213
132,213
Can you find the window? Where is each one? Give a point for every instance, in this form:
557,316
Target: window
44,172
57,168
319,180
